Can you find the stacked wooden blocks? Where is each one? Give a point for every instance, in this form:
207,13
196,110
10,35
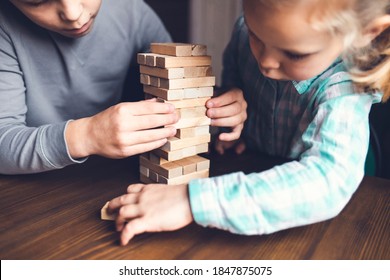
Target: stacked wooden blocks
180,74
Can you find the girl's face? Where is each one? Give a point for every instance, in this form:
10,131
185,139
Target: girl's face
71,18
285,45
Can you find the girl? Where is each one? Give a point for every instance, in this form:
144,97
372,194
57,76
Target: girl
291,59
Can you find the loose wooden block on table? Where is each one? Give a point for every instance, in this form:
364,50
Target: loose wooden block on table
174,143
104,215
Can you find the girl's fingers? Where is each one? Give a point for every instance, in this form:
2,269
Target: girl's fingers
126,213
240,148
233,135
224,99
132,228
225,111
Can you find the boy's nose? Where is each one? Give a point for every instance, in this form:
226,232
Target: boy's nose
71,10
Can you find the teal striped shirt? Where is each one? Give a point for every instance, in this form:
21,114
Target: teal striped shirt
321,124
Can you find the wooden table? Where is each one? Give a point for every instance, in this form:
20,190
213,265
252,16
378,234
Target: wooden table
56,215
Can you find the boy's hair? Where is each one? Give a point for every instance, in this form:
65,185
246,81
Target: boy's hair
369,66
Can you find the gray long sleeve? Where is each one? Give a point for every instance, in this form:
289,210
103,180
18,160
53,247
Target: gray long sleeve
47,80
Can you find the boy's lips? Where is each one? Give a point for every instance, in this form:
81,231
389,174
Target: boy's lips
80,31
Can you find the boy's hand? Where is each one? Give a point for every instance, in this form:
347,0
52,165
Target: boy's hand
151,208
122,130
228,110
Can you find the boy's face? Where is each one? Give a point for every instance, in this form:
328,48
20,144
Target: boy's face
284,44
71,18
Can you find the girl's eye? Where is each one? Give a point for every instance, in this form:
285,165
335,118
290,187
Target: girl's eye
294,56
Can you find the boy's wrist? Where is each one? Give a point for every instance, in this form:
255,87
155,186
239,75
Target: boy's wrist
76,136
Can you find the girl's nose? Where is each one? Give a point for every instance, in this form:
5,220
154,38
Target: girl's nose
268,60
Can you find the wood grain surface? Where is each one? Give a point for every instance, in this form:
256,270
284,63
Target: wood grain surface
56,215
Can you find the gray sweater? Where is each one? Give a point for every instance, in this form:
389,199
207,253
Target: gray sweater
47,79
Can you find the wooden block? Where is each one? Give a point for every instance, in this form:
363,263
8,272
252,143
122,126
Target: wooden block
199,50
198,92
174,143
192,122
170,73
145,79
164,61
175,49
149,96
183,153
104,215
166,94
168,170
201,162
151,59
184,179
193,112
156,160
202,148
154,176
192,131
200,71
141,58
187,165
145,180
193,102
144,170
187,83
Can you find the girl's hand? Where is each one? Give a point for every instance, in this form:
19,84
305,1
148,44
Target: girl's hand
122,130
238,146
228,110
151,208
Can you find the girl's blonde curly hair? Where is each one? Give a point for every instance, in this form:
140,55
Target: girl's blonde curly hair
369,66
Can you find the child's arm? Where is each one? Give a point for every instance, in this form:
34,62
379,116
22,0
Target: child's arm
313,188
123,130
151,208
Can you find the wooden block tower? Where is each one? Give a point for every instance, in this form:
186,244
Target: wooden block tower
180,74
